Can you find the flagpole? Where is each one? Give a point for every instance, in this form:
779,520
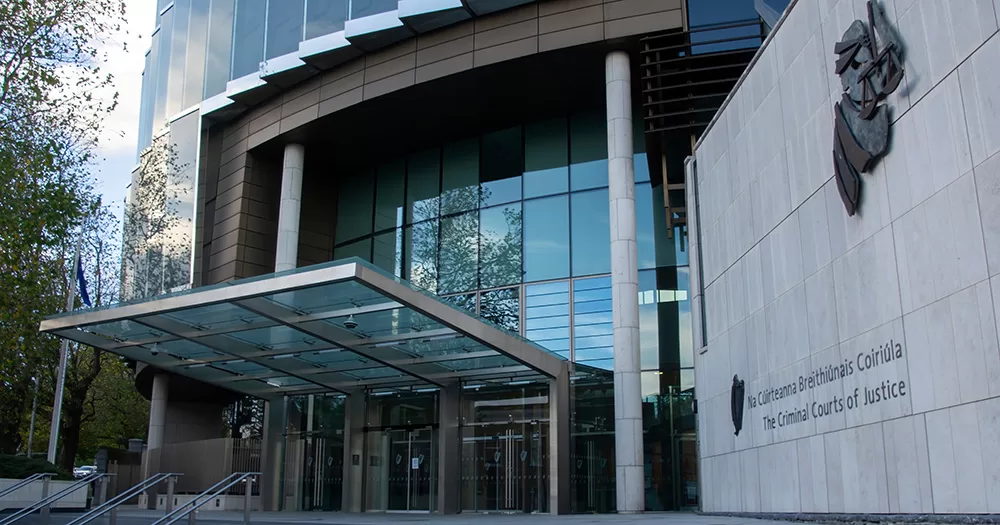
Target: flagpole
61,373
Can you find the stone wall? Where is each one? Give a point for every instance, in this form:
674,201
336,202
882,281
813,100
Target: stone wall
801,300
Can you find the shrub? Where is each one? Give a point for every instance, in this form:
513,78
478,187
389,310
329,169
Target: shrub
20,467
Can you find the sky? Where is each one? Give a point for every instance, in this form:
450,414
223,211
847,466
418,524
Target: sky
116,153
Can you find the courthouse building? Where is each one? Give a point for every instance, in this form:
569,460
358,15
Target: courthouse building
846,288
569,255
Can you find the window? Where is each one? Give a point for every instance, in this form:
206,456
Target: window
591,236
284,26
361,249
588,151
354,208
220,46
421,254
501,167
181,14
645,233
423,185
546,316
163,70
460,177
248,38
388,252
194,73
593,328
546,238
324,17
546,158
389,195
501,307
459,252
360,8
500,245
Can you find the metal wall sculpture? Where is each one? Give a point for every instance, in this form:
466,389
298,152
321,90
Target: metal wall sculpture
868,75
736,403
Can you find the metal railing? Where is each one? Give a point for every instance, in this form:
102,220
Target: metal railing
188,509
112,504
46,501
25,482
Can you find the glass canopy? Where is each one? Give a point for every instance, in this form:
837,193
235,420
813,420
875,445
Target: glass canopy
344,326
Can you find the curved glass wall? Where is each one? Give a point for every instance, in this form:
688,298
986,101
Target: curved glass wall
514,225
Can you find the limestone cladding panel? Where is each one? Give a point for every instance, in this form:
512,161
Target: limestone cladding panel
869,344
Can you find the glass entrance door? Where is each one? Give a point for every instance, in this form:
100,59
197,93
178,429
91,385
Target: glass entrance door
504,467
403,478
322,482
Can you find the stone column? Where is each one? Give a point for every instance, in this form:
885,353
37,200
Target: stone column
157,430
354,452
449,467
272,454
624,286
287,252
559,436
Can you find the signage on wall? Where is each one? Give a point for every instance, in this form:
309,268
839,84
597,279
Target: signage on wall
870,65
736,403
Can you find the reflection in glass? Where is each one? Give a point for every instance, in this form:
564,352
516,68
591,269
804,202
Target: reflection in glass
465,301
546,158
163,70
501,307
644,229
354,206
389,195
588,151
669,252
591,238
421,255
388,251
460,177
500,246
546,316
721,12
178,53
248,38
423,185
546,238
324,17
641,167
459,252
361,249
501,166
220,46
194,72
592,322
360,8
284,26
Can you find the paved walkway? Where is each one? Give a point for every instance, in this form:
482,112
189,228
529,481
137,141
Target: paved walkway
144,517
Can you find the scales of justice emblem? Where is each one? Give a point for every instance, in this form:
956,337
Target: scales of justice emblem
868,74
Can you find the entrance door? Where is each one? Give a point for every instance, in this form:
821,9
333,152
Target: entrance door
411,469
504,467
322,484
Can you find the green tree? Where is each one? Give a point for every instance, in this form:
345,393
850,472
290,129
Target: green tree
50,121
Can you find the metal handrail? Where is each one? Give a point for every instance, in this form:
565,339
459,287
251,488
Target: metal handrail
123,497
188,508
24,482
48,500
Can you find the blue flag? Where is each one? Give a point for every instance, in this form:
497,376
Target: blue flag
82,282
